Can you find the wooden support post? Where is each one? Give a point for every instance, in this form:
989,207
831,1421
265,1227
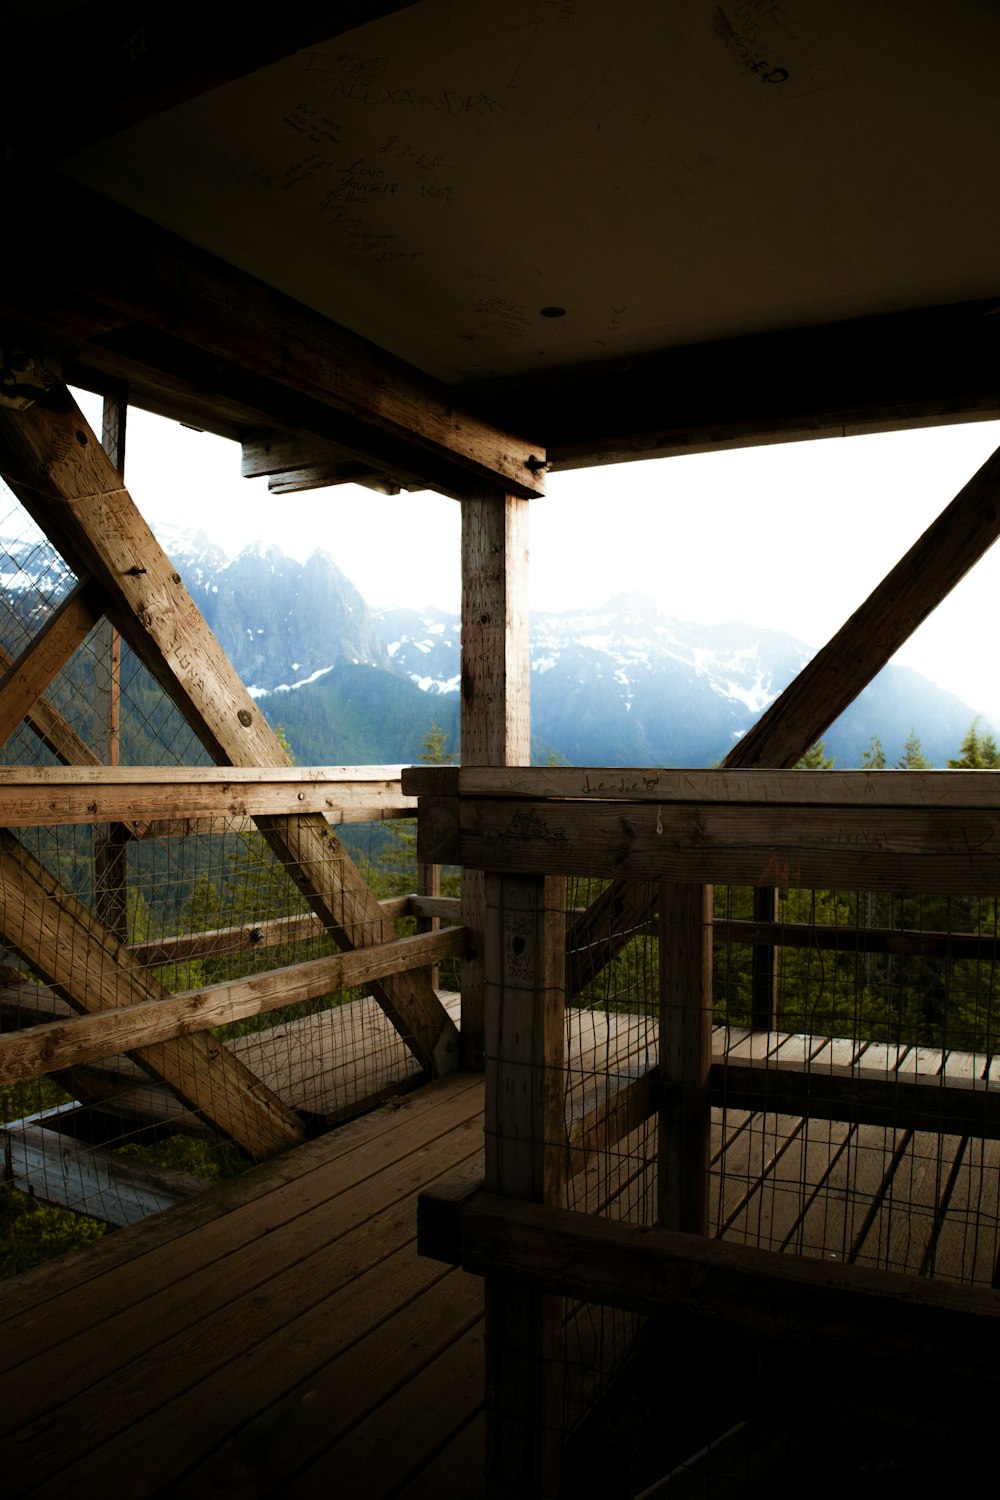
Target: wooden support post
429,884
764,963
525,951
110,877
685,928
496,674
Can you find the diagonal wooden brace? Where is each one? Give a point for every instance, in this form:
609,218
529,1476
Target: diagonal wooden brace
66,944
61,474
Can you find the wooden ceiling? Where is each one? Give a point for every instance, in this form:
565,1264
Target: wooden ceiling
607,230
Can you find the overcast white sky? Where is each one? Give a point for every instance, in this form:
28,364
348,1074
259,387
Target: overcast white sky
793,536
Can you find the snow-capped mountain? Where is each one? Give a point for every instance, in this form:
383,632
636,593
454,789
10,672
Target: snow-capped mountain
618,684
626,684
282,623
623,678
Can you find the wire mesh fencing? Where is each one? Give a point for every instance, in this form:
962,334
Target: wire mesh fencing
101,916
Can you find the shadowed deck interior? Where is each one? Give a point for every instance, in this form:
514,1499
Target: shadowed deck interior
280,1334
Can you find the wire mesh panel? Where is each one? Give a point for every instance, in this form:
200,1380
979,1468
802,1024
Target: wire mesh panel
884,1039
180,905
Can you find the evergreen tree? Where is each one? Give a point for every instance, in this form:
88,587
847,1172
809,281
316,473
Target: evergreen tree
816,759
913,757
979,751
873,759
433,743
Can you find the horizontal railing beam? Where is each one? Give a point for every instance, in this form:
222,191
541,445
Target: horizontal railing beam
944,849
252,936
865,789
37,796
84,1039
937,1338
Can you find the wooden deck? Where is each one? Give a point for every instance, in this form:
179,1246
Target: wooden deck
278,1334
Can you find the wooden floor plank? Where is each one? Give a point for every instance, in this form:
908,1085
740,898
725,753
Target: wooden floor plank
900,1233
745,1165
379,1358
290,1342
457,1472
363,1463
231,1300
250,1225
967,1240
256,1375
778,1203
128,1247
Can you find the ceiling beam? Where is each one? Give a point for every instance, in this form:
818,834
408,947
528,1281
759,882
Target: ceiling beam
79,78
127,283
908,369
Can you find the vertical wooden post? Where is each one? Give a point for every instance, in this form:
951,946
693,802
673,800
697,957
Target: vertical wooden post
685,929
429,884
110,874
764,963
525,952
496,670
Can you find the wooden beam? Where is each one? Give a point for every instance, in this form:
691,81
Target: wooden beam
70,949
47,653
944,1105
496,668
66,482
291,463
759,788
928,572
35,796
819,1307
145,1023
110,868
45,720
295,481
981,947
685,1033
144,275
944,850
107,66
185,384
917,368
495,694
525,1158
103,1184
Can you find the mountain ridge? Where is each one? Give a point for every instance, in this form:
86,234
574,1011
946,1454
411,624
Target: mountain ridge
619,683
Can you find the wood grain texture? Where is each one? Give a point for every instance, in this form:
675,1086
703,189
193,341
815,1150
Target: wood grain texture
685,981
67,483
495,693
30,799
941,850
45,655
525,1158
142,275
75,953
143,1023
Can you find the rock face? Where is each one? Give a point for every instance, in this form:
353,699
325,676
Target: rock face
282,623
625,684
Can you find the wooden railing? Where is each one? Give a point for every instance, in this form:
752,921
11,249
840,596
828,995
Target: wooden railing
160,802
679,833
